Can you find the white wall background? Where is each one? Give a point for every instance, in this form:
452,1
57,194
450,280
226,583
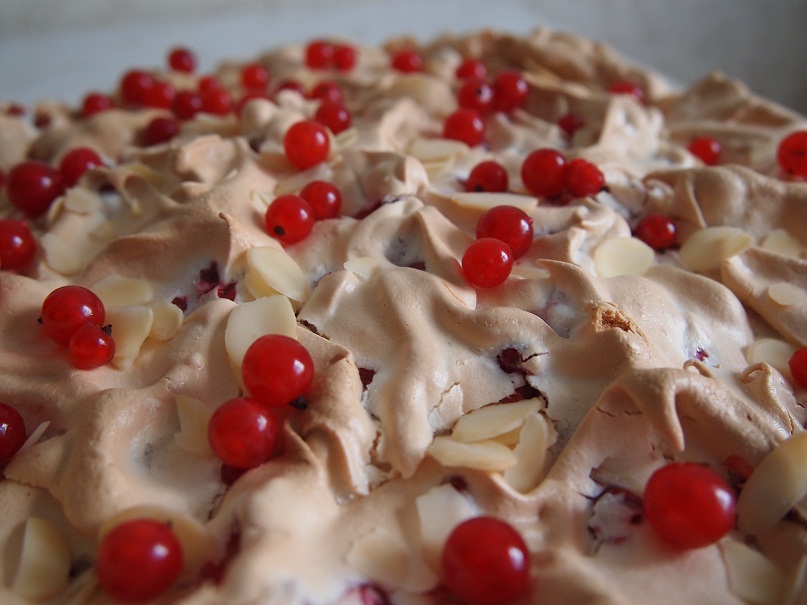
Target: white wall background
63,47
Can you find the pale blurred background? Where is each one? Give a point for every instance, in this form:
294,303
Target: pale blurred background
61,48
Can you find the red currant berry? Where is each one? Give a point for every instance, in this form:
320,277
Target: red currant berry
624,87
324,198
33,186
487,262
160,130
319,54
12,432
582,178
485,560
334,116
489,176
206,83
68,308
471,69
407,61
656,230
306,144
798,366
475,94
95,102
289,218
792,154
509,91
90,347
509,224
187,104
543,172
254,76
160,95
216,101
327,91
76,162
570,123
182,59
138,560
243,433
344,57
277,370
706,149
134,86
689,505
17,244
465,125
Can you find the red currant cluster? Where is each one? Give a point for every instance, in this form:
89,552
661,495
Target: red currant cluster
547,173
73,316
504,233
290,217
322,54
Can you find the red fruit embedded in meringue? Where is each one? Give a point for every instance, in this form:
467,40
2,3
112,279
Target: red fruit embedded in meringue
277,370
33,186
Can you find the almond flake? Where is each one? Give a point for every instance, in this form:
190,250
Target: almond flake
44,563
59,256
534,440
168,319
440,510
623,256
776,353
194,416
362,266
781,242
481,455
251,320
485,200
752,576
34,437
429,150
785,294
705,250
273,271
82,201
116,291
130,328
381,556
493,420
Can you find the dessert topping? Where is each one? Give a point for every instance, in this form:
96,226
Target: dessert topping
465,125
17,244
68,308
488,175
324,198
91,347
33,186
509,91
44,563
76,162
243,433
289,218
487,262
306,144
792,154
656,230
277,370
706,149
182,59
509,224
12,432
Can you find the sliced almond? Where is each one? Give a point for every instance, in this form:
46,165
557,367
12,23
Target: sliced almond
781,242
440,510
168,319
706,249
130,328
59,256
44,563
194,416
623,256
534,440
483,200
251,320
428,150
481,455
105,231
116,291
82,201
34,437
776,353
273,271
381,556
775,486
362,266
752,576
493,420
198,544
785,294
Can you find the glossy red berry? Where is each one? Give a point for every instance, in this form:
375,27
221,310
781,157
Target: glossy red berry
289,218
306,144
160,95
33,186
134,86
324,198
475,94
138,560
76,162
182,59
465,125
706,149
489,176
68,308
570,123
334,116
243,433
319,54
510,91
798,367
407,61
689,505
95,102
625,87
17,244
509,224
12,432
344,57
277,370
792,154
254,76
187,104
327,91
487,262
582,178
543,172
216,101
656,230
90,347
160,130
485,560
208,82
471,69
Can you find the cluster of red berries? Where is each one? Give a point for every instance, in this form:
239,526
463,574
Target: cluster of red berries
547,173
503,234
73,316
277,371
291,217
322,54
